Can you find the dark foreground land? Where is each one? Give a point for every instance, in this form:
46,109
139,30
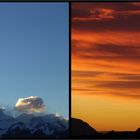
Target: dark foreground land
80,129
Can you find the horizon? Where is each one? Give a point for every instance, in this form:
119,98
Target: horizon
105,131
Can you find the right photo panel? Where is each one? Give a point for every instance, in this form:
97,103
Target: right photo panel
105,100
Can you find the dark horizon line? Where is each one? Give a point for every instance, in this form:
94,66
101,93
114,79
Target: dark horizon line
106,131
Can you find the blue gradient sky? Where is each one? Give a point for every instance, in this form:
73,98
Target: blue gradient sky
34,53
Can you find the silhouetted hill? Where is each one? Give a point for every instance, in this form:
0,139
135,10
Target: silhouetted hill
80,129
138,130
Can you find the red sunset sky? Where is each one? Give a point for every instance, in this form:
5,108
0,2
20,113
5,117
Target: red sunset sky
106,64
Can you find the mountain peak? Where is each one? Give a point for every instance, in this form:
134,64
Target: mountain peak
138,130
26,125
4,116
81,128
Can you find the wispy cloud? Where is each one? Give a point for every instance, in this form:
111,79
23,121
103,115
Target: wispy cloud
103,17
106,48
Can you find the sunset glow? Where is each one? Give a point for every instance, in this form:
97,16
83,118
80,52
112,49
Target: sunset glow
106,64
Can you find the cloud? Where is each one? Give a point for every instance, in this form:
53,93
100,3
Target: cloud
93,15
111,51
107,83
106,49
105,17
30,104
2,109
85,73
119,84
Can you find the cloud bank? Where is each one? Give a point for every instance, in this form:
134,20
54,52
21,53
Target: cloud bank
106,49
32,104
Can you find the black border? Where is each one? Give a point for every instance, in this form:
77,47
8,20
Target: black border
69,3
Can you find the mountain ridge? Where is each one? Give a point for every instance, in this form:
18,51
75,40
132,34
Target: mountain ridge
30,126
86,131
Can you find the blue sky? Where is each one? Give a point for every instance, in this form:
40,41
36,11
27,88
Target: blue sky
34,53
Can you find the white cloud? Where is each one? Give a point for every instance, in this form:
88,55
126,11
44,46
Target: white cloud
30,104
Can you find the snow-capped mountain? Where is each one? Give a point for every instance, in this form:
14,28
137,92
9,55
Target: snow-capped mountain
30,125
25,118
5,122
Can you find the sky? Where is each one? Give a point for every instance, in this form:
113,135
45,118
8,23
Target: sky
106,64
34,54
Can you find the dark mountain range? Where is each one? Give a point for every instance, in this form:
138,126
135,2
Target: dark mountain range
32,126
80,129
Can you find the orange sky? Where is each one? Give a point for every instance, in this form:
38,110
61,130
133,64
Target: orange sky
106,64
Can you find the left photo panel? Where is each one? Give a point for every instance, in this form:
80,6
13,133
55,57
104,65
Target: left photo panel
34,70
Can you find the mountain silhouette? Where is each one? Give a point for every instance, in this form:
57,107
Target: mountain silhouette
81,129
138,130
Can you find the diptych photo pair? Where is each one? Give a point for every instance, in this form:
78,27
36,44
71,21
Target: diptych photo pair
70,70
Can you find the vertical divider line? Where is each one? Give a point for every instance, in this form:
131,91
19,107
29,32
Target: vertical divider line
69,68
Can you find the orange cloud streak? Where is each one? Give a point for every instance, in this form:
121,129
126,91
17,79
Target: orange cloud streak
105,64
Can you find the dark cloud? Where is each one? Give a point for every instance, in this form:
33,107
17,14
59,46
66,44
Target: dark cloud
129,77
118,6
80,13
108,51
82,89
134,59
119,50
119,23
125,17
121,76
119,84
85,73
